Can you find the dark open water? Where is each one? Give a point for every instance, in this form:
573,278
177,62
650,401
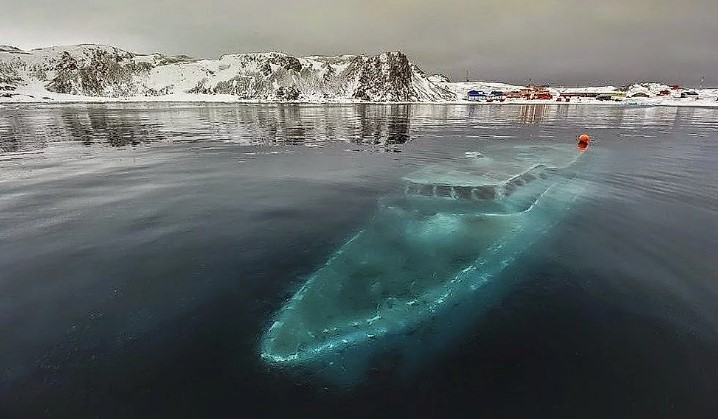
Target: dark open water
145,248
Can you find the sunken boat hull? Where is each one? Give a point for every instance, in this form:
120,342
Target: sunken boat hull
424,253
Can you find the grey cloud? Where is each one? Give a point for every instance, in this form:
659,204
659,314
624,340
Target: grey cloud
556,41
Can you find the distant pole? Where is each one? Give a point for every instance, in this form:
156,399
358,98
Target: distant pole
467,75
703,79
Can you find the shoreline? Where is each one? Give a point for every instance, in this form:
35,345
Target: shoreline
227,101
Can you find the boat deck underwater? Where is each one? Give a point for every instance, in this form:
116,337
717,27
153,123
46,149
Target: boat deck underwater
455,228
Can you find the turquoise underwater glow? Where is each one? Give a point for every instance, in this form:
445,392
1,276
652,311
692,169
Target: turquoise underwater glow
455,229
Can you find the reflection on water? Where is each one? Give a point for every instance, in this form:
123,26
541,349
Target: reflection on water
34,127
535,113
116,129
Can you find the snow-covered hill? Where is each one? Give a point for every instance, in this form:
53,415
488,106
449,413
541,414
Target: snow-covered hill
93,72
88,72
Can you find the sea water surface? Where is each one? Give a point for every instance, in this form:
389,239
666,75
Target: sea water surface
146,248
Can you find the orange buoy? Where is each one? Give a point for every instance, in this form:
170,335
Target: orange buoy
582,141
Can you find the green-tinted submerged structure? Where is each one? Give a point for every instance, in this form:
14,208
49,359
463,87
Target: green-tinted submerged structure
456,227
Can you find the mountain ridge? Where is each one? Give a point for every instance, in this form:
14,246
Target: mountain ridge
104,71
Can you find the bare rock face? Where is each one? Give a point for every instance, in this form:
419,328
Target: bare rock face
286,62
9,74
104,73
67,78
386,77
291,93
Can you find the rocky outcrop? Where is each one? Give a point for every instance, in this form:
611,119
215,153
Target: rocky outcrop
9,77
386,77
104,73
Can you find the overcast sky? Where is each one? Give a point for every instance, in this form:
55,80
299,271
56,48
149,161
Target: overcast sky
552,41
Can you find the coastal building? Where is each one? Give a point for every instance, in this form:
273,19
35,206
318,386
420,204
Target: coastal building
582,94
531,92
496,95
516,94
476,95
